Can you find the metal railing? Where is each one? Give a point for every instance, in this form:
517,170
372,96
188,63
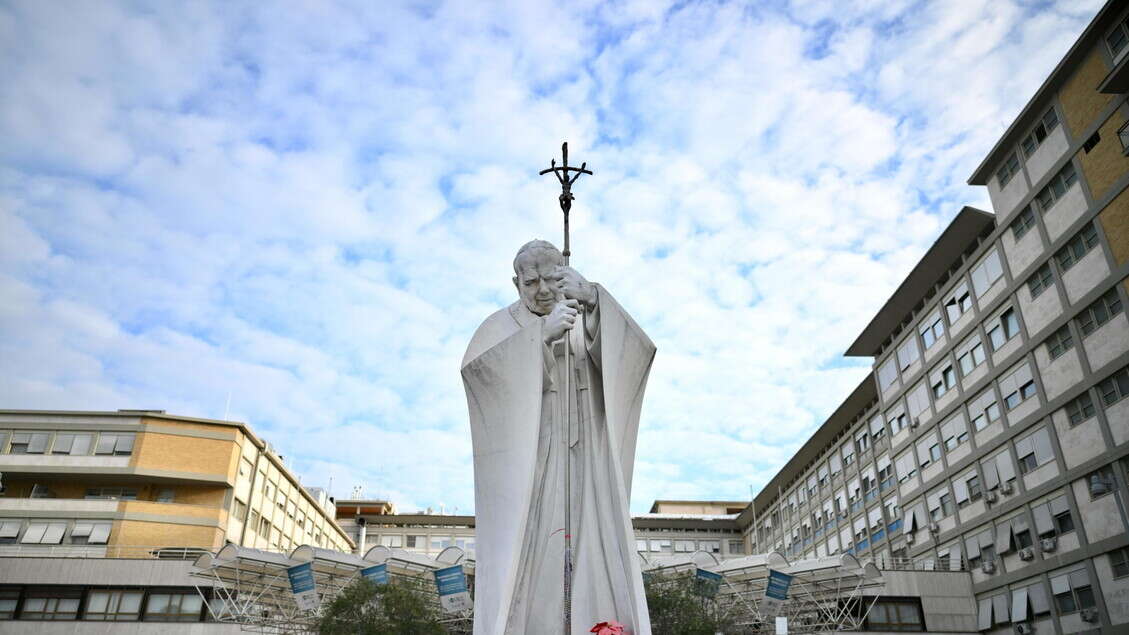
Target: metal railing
151,552
921,564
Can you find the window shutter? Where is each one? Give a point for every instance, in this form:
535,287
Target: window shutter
984,615
1003,538
1044,524
1000,608
1037,593
960,489
1005,466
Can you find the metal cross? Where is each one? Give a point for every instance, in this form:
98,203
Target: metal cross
562,174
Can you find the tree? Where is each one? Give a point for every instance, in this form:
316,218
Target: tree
364,608
678,607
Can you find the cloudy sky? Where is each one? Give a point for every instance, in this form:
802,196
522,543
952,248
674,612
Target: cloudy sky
297,213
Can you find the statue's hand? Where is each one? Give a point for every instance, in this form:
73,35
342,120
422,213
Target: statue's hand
573,286
560,319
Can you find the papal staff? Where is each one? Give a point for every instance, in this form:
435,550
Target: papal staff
565,199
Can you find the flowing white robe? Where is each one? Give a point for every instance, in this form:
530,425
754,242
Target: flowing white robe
513,384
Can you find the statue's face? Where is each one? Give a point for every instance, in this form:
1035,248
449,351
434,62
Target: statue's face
538,291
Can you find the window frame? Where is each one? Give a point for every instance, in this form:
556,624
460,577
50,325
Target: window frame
1100,312
1023,223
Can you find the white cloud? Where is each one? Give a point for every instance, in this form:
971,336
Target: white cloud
311,210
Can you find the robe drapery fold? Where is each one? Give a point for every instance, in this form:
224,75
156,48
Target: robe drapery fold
513,384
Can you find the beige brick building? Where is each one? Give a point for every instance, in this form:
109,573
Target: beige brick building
135,483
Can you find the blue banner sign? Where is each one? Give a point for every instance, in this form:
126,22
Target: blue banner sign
453,593
778,584
302,586
377,574
707,583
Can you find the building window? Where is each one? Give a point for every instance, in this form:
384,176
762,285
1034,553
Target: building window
111,493
113,605
1008,170
1072,592
1059,342
1058,186
1080,409
908,353
1034,450
1115,387
9,598
186,606
1032,141
959,303
932,330
1100,312
1017,387
1023,222
986,273
943,382
974,489
1077,247
862,441
72,443
1004,328
983,410
954,432
1117,39
972,357
9,531
239,509
29,443
44,533
1119,562
115,444
90,533
51,604
943,507
1041,280
897,422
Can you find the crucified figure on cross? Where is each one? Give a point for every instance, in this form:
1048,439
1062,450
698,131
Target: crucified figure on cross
566,189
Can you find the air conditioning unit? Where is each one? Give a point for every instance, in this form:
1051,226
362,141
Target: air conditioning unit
1049,544
988,566
1024,629
916,422
1099,486
1027,553
909,538
1006,488
934,528
1089,615
991,497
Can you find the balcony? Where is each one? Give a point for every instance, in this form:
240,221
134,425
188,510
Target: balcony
62,507
62,463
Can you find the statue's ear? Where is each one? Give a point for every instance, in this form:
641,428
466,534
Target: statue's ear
516,285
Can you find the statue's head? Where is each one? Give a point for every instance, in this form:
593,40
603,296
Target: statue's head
534,265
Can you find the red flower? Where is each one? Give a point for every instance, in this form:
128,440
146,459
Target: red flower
611,627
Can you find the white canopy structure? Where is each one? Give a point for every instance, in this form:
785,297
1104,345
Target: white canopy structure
251,587
826,594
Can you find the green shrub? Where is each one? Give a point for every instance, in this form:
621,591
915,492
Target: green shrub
364,608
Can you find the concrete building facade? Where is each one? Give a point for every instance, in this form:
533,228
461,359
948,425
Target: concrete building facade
993,433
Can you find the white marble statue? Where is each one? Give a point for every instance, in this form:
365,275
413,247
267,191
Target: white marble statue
513,372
